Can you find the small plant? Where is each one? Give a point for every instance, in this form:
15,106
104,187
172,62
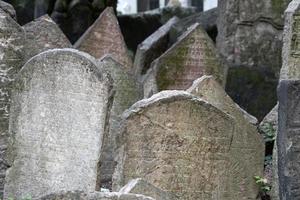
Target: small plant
269,132
264,185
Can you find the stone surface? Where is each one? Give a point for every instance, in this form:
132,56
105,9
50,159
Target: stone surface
188,147
127,91
291,47
94,196
246,135
192,56
151,48
139,186
105,37
288,139
210,90
12,39
9,9
58,112
43,34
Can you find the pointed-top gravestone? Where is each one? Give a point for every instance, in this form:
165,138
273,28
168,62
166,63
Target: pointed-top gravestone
58,115
12,38
191,57
105,37
247,147
43,34
152,47
180,144
128,90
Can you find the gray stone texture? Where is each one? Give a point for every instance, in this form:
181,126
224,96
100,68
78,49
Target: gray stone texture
192,56
9,9
76,195
288,139
12,39
58,115
184,145
152,47
246,139
128,90
105,37
43,34
139,186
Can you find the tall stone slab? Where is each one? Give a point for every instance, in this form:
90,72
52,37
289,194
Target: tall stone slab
288,139
128,90
178,143
43,34
152,47
12,39
58,115
191,57
247,148
291,45
105,37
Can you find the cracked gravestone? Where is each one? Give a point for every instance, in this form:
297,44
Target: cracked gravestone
105,37
191,57
58,112
43,34
128,90
179,143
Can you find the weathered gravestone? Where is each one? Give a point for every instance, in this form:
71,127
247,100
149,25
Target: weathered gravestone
128,91
192,56
139,186
247,149
152,47
57,121
105,37
12,39
181,144
77,195
43,34
288,139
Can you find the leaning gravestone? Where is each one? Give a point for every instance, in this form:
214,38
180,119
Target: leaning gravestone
43,34
105,37
127,91
57,122
288,139
247,149
192,56
178,143
12,39
152,47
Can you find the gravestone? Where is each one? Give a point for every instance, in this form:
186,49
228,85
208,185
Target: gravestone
43,34
152,47
178,143
105,37
288,139
77,195
192,56
12,39
139,186
57,122
247,148
127,91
